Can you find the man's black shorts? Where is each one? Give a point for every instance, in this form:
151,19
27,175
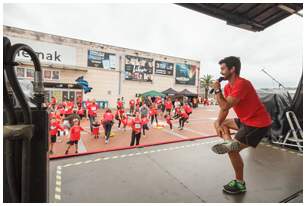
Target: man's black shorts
250,135
53,138
72,142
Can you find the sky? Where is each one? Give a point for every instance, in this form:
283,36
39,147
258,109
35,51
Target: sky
173,30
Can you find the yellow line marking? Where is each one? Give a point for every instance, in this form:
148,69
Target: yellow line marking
58,189
58,177
58,183
57,197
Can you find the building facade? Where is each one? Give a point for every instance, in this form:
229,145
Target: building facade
111,71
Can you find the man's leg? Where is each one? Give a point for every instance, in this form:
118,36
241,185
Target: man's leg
234,156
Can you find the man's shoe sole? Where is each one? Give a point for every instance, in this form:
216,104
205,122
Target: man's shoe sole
222,149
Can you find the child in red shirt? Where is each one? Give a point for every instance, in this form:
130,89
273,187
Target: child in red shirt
54,128
95,129
168,120
124,121
153,114
183,119
75,135
177,112
144,123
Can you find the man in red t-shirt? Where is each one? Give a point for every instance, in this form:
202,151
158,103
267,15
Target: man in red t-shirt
253,120
136,125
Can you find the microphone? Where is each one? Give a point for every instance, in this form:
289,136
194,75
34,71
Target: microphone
220,79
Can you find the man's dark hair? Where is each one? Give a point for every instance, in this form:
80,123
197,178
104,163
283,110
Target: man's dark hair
232,62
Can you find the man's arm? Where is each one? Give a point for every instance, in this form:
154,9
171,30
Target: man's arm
226,104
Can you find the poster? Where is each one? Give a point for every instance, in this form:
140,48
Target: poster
164,68
101,60
138,69
185,74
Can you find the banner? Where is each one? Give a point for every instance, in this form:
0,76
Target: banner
164,68
185,74
138,68
101,60
46,52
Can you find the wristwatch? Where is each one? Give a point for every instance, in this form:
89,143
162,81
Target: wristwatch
217,91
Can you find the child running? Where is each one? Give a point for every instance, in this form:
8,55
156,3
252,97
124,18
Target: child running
168,120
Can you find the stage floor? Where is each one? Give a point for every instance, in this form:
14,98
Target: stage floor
186,172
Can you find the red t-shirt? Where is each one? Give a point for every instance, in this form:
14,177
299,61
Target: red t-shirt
249,110
168,105
79,99
92,109
54,127
144,120
125,121
132,102
153,111
80,111
187,108
69,108
108,116
137,101
121,112
184,114
136,125
87,104
120,104
75,133
53,101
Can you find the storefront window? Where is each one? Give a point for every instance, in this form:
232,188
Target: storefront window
20,73
30,73
55,75
47,74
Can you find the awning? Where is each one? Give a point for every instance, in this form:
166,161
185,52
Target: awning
249,16
186,93
170,91
153,93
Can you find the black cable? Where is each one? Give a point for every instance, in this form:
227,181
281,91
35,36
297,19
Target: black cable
9,63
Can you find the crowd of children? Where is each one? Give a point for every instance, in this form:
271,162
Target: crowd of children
65,118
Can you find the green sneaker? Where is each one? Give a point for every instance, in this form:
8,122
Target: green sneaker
234,187
225,147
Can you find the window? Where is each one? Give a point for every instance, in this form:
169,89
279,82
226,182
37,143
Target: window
51,75
47,74
20,73
55,75
30,73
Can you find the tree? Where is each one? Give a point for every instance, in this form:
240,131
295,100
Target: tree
205,82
